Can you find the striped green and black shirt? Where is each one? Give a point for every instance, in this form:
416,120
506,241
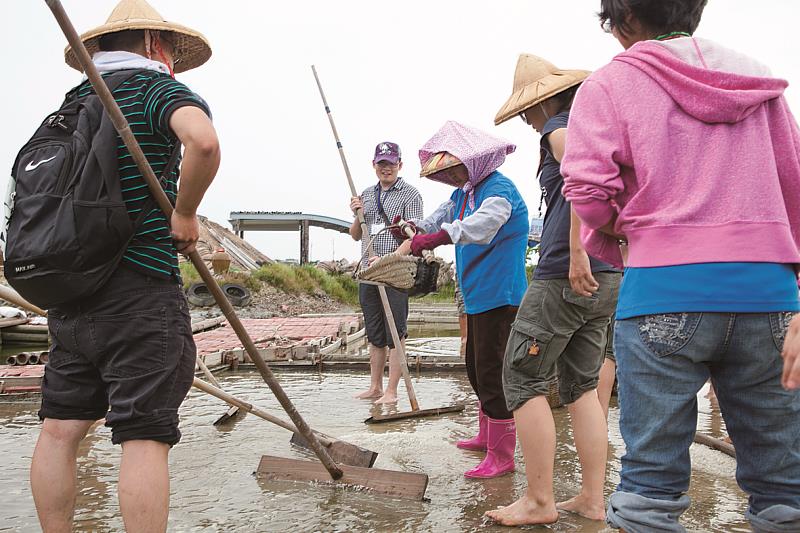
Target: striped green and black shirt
148,100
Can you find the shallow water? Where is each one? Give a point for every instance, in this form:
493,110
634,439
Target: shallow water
213,488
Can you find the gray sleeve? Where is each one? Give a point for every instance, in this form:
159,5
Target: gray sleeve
482,225
442,215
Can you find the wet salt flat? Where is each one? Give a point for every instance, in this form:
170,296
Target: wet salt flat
213,487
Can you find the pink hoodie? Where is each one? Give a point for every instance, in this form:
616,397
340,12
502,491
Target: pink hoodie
693,149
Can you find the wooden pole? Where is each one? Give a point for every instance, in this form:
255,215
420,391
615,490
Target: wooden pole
10,295
122,127
398,345
217,392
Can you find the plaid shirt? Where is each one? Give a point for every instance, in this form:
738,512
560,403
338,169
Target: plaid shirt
401,199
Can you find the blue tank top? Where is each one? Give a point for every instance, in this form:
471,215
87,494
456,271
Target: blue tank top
708,287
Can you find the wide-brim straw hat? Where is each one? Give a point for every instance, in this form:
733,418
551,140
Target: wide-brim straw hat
439,162
190,48
536,80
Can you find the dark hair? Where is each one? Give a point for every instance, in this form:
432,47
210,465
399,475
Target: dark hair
657,16
125,40
129,40
565,98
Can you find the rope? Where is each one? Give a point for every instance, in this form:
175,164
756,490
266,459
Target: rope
369,247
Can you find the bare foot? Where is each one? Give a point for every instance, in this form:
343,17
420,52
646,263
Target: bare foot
369,394
582,505
386,399
522,512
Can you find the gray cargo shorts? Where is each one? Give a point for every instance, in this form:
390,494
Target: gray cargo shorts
558,333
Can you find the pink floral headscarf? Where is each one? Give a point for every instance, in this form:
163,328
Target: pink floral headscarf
480,152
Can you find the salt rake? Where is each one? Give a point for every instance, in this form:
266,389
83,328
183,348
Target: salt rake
270,467
340,451
399,350
233,410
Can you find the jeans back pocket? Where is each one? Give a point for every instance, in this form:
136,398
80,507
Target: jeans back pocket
779,324
665,334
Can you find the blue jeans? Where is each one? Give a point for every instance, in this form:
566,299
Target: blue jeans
663,361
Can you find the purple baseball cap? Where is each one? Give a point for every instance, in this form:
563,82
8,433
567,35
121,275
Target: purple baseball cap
387,151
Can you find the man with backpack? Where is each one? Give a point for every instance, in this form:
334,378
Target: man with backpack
122,350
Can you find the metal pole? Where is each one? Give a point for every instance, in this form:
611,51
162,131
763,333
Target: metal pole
122,127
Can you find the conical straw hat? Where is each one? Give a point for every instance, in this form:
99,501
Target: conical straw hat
439,162
536,80
191,48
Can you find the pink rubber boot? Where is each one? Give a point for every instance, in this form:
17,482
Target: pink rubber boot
478,442
500,445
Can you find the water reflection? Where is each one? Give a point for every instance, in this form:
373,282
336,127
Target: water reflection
213,487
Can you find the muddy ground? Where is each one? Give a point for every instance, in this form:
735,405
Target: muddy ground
270,302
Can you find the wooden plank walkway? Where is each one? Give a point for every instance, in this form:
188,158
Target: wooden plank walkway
269,331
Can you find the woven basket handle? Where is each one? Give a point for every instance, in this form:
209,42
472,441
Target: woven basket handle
408,230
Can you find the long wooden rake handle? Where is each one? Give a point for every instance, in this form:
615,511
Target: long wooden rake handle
10,295
230,399
122,127
398,346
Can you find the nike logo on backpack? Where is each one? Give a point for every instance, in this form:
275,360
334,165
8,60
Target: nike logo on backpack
31,166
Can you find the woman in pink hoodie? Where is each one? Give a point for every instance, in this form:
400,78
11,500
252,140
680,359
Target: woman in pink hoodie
688,152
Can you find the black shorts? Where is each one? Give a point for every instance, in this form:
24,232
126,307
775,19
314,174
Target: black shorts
375,322
128,347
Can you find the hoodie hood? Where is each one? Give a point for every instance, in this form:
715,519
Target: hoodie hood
701,90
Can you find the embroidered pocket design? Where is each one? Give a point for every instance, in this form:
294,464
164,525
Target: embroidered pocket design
665,334
780,325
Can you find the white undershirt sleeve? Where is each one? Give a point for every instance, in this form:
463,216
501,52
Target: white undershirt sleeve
442,214
482,225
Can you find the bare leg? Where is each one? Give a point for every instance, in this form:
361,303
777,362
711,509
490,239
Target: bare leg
54,472
608,373
591,439
462,326
377,362
144,486
395,372
537,435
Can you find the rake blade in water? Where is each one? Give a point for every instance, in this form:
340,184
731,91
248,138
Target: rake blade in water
377,419
342,452
404,485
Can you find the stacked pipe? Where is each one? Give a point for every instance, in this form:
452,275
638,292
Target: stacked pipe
27,358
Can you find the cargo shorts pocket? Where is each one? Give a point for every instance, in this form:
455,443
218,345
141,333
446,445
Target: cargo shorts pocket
528,349
665,334
590,303
131,344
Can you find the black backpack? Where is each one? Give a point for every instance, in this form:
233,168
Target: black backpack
69,226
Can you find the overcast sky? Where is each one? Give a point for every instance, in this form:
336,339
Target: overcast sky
391,71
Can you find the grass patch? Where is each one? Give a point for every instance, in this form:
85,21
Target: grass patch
279,276
189,274
338,286
307,279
